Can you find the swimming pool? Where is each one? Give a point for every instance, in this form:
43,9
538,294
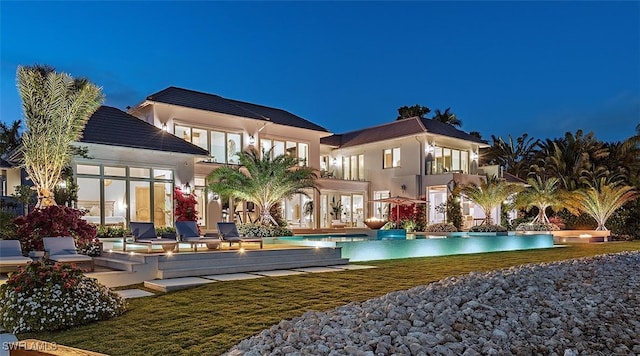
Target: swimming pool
363,247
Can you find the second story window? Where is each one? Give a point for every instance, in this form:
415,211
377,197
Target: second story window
223,146
290,148
448,160
353,167
391,158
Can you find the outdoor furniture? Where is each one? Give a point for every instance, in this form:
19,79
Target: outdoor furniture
228,231
63,250
187,232
144,233
11,256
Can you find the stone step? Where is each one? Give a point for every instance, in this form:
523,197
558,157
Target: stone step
251,266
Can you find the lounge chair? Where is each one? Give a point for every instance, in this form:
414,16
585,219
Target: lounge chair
187,232
11,256
144,233
63,250
228,231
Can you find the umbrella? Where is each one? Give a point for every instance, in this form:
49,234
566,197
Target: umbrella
398,200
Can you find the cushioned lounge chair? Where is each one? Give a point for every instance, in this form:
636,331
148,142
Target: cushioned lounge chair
187,232
144,233
63,250
228,231
11,256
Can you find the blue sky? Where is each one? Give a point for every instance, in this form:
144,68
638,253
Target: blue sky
543,68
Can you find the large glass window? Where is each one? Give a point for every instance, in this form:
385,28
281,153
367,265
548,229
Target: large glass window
121,195
353,167
294,149
223,146
218,149
234,146
449,160
199,138
391,158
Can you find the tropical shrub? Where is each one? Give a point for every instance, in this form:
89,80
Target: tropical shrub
557,221
454,212
45,297
105,232
488,228
441,227
263,231
409,225
7,227
537,226
53,221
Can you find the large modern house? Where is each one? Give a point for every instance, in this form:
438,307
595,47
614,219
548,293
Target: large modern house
175,137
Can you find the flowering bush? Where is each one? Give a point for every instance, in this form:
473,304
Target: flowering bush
53,221
488,228
441,227
557,221
537,227
93,248
45,297
185,206
263,231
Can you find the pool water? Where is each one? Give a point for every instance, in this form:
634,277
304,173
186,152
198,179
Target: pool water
363,247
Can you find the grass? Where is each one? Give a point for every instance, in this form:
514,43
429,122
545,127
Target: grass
212,318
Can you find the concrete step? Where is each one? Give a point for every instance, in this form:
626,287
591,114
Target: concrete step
251,266
236,258
116,263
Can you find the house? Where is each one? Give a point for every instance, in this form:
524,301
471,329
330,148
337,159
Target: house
414,157
176,137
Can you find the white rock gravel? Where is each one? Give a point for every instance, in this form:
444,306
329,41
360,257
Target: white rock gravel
588,306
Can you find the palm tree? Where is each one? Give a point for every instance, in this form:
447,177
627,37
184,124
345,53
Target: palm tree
9,136
541,194
56,109
515,156
265,181
600,201
489,194
417,110
447,117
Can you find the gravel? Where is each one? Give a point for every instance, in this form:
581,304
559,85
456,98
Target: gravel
577,307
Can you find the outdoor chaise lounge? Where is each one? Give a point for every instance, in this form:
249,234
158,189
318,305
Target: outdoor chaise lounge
144,233
187,232
11,256
228,231
63,249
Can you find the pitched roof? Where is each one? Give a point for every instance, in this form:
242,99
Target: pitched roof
396,129
111,126
5,164
211,102
510,178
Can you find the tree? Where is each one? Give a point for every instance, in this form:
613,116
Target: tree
406,112
265,180
600,201
56,109
515,156
447,117
541,194
9,136
489,194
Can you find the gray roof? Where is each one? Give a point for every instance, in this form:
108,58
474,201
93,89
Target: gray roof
396,129
215,103
5,164
112,126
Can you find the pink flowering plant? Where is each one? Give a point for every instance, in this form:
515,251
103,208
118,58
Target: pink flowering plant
53,221
48,297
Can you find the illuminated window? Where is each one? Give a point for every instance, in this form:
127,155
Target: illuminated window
391,158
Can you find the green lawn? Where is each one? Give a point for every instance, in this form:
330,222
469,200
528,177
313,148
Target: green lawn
212,318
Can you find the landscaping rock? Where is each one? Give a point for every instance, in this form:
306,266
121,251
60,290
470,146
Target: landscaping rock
584,306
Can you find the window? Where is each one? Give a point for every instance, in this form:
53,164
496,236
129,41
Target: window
290,148
353,167
449,160
222,146
391,158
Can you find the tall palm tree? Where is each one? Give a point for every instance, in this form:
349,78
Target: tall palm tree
263,180
541,194
516,156
406,112
56,109
489,194
9,136
600,201
447,117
